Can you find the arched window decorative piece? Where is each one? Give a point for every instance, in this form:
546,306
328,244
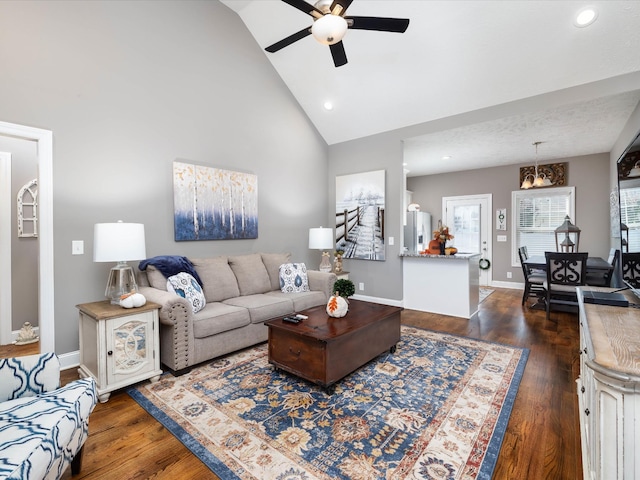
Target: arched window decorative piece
28,209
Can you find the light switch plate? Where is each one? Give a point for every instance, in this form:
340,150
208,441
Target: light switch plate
502,238
77,247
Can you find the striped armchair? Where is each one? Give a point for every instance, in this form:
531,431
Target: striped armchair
42,427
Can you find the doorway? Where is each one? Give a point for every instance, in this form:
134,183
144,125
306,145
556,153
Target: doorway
44,140
469,221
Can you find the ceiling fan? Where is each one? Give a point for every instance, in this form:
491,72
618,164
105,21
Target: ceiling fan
330,25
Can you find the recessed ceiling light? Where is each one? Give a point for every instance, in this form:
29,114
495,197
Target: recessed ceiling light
446,157
585,17
328,106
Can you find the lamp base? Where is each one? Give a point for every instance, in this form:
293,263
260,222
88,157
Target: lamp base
325,264
121,281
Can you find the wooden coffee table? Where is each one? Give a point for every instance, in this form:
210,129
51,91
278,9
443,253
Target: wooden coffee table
323,349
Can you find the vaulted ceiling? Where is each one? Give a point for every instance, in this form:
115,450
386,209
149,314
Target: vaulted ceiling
461,57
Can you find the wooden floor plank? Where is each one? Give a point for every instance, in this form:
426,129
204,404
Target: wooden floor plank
542,440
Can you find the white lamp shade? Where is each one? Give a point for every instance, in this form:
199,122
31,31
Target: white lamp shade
321,238
118,242
329,29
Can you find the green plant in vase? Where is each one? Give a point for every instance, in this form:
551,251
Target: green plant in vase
344,287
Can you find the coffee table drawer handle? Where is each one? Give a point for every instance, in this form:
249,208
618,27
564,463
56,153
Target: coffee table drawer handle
297,354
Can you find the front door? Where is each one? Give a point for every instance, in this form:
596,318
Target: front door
470,223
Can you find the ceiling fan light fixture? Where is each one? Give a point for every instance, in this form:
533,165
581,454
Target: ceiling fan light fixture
330,29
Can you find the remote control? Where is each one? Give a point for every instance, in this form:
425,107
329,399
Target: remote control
291,320
300,316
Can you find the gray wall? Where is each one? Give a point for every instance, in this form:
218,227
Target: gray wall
129,87
381,279
589,174
384,279
24,250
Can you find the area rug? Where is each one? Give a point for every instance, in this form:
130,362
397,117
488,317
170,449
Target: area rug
437,408
484,293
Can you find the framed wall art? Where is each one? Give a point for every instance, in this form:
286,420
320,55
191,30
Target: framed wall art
360,207
214,204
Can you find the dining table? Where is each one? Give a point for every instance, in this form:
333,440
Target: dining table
539,262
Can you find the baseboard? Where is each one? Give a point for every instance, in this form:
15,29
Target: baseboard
69,360
384,301
512,285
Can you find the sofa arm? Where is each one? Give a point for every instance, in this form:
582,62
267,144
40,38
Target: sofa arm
176,327
28,376
322,281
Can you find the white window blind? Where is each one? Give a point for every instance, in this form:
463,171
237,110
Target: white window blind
630,215
536,215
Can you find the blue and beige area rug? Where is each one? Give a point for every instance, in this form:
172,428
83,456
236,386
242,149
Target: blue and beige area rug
435,409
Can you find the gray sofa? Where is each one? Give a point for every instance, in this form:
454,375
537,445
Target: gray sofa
241,293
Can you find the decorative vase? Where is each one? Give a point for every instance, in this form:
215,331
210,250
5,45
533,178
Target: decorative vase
442,248
337,264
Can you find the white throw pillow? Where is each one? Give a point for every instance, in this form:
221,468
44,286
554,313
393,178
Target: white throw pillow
293,278
184,285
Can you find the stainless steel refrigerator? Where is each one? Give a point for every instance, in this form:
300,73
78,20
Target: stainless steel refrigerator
417,231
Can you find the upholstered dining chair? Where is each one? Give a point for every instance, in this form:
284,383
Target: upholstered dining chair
602,278
631,268
565,272
533,281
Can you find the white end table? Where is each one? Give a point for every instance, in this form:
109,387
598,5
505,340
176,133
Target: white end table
118,346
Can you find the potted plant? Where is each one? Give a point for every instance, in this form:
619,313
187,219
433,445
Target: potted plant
344,287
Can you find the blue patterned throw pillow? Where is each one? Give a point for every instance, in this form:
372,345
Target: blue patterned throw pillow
184,285
293,278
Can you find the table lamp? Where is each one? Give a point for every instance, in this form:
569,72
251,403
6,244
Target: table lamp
119,242
322,239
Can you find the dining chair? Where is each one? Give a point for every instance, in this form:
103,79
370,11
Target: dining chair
565,272
631,268
602,278
533,281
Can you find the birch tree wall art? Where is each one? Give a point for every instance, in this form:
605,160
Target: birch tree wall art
214,204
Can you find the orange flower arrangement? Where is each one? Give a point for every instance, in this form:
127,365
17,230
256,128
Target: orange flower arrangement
442,234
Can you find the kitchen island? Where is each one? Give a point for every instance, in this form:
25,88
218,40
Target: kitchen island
445,284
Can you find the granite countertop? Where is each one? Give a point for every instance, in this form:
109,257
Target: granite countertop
457,256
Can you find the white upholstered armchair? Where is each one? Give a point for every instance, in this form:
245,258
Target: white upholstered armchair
43,426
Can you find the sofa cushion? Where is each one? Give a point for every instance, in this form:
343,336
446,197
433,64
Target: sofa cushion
303,300
263,307
156,278
219,281
219,317
293,278
251,274
187,287
272,262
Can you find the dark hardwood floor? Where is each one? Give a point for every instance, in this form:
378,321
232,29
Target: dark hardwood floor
542,440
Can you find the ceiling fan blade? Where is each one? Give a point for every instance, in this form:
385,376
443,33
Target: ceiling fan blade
381,24
289,40
305,7
344,4
338,54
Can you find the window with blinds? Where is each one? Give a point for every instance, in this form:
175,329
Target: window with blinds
630,216
536,215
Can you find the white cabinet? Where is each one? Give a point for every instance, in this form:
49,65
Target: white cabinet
118,346
609,392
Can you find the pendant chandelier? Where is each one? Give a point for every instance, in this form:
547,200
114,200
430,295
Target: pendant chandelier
538,179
